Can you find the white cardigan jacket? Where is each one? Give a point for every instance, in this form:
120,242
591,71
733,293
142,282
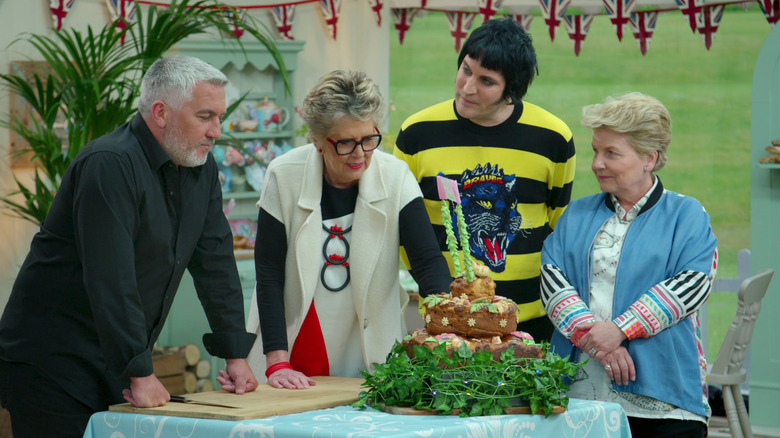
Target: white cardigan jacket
291,193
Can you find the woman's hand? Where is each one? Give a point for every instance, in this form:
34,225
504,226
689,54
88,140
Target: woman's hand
619,366
602,338
290,379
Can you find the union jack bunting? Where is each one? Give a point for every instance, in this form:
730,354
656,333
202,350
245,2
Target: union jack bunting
643,25
237,21
488,8
708,21
524,20
59,10
619,11
330,11
771,10
283,17
553,12
460,24
122,11
402,17
376,6
690,8
578,26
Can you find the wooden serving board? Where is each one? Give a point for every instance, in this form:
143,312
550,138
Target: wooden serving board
265,401
514,410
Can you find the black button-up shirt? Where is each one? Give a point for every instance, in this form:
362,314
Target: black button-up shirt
95,289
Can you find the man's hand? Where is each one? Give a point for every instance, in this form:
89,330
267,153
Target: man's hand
146,392
237,377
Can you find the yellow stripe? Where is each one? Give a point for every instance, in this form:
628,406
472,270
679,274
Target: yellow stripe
436,113
530,311
518,266
537,116
452,160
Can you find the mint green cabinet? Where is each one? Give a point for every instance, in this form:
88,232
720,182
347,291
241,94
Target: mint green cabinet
765,235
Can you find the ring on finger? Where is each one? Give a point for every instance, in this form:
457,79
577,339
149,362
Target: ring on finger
593,351
607,367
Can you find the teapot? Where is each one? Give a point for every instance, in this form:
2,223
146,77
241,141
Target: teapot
272,118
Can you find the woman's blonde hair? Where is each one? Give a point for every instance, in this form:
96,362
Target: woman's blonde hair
341,94
644,119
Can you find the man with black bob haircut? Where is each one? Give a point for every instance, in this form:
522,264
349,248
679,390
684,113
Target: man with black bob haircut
514,163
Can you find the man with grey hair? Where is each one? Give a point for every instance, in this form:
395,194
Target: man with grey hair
135,209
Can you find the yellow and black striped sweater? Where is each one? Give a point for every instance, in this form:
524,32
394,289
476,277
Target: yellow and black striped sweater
515,180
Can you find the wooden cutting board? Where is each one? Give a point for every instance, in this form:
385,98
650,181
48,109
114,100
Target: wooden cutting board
265,401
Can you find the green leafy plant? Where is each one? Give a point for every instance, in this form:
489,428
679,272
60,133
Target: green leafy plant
467,383
93,81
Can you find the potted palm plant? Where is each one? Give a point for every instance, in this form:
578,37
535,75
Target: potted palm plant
92,82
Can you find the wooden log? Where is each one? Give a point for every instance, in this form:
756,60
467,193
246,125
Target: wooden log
190,382
174,384
185,383
202,369
205,385
169,364
191,352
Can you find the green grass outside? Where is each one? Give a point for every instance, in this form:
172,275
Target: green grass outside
707,92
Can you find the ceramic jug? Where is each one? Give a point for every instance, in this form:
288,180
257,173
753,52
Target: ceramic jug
272,118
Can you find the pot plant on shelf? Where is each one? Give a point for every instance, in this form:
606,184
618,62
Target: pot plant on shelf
91,82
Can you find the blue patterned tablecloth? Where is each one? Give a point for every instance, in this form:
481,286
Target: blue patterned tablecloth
582,419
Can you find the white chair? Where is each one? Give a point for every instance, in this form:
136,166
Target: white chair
727,369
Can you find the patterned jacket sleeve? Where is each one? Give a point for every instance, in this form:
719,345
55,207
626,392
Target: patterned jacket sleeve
563,305
666,304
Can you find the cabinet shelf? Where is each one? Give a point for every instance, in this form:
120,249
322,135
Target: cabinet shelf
257,135
769,165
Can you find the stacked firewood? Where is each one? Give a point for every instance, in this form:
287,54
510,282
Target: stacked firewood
181,370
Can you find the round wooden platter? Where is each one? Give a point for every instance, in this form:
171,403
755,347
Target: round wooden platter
513,410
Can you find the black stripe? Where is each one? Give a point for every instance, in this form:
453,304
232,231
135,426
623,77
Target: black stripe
519,291
450,133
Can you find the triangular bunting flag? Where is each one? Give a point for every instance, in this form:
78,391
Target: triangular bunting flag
460,24
423,4
578,26
122,11
643,25
619,11
771,10
283,17
553,11
376,6
59,10
524,20
330,11
238,21
402,17
488,8
708,21
690,8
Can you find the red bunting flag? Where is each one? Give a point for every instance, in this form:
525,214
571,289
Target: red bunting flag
619,11
553,12
643,25
376,6
708,21
488,8
771,10
460,24
331,10
524,20
122,11
690,8
237,20
402,17
59,10
283,17
578,26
